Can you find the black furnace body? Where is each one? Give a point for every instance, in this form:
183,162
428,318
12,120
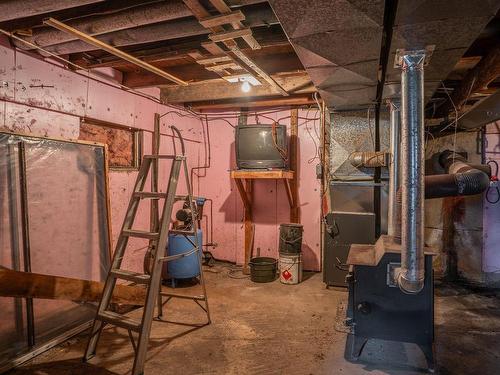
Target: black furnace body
378,309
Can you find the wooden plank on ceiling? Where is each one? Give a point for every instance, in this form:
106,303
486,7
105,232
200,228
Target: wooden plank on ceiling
229,35
223,19
213,60
220,67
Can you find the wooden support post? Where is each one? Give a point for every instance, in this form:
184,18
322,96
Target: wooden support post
288,191
294,185
243,194
249,232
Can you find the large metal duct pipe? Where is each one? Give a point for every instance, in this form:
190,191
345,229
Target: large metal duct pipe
411,276
463,178
393,167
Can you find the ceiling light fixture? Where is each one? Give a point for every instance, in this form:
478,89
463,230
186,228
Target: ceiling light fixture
245,87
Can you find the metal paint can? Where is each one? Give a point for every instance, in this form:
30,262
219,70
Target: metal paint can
290,266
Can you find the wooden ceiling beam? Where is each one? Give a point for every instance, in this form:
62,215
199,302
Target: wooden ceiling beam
114,51
478,78
293,100
12,9
186,27
129,17
239,56
298,83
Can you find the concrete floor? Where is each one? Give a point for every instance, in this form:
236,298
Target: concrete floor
283,329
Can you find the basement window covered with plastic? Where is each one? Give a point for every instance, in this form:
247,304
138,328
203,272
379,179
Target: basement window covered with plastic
54,225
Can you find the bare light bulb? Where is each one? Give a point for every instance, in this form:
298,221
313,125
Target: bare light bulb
245,87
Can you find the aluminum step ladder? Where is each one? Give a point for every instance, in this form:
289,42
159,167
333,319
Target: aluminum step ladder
158,254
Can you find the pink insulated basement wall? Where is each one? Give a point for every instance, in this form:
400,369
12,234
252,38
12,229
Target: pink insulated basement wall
43,99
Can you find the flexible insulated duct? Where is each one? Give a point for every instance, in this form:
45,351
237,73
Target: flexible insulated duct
462,179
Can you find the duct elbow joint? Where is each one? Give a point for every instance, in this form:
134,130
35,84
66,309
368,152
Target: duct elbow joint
409,285
370,159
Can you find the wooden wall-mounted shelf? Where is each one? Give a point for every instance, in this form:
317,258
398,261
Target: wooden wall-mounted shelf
244,181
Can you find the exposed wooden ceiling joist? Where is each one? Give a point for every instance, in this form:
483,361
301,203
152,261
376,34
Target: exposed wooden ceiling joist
114,51
486,70
111,21
144,79
161,31
200,13
273,63
12,9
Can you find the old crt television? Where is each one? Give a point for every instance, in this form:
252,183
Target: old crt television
256,148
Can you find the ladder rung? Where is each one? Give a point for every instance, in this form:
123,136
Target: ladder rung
198,298
138,278
183,232
119,320
149,194
162,156
140,233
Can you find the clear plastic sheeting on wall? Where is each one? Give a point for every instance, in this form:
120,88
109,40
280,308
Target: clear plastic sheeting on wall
54,221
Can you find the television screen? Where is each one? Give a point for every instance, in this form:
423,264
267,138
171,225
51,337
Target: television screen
256,148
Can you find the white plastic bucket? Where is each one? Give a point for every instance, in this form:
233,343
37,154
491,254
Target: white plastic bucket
290,266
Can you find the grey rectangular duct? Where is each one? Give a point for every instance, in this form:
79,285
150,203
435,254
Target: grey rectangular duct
484,112
338,42
354,131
